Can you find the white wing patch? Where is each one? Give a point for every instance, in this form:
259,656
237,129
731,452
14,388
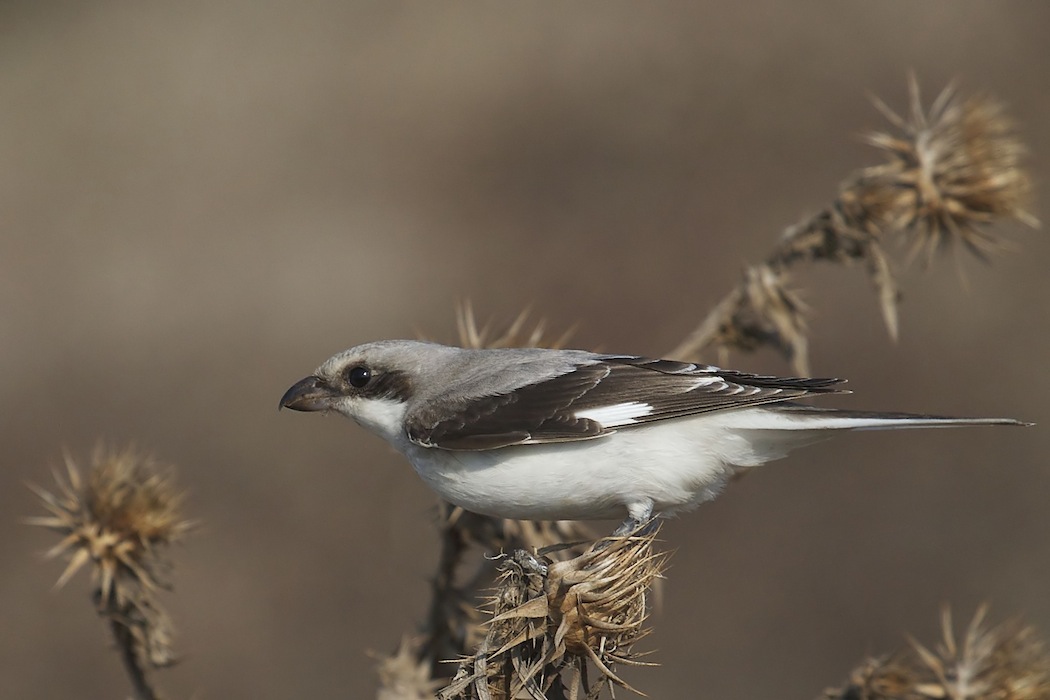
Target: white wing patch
617,414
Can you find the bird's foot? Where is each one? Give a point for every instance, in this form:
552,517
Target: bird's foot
631,527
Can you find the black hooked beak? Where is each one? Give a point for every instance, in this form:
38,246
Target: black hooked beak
310,394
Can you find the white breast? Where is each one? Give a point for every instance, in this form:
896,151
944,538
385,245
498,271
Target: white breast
669,465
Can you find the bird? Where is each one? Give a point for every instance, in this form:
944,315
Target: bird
557,434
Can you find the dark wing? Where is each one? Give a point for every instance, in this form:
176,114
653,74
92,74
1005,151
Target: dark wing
597,399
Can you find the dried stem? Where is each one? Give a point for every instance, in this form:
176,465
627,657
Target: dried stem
129,655
452,619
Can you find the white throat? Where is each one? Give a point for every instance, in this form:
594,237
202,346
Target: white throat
384,417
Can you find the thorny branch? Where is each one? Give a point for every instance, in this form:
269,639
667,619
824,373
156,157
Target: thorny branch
950,172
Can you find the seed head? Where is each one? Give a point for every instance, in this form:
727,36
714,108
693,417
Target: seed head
115,519
551,620
951,171
1006,662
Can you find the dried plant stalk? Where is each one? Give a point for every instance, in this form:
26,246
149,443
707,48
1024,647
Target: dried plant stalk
950,172
118,520
1007,662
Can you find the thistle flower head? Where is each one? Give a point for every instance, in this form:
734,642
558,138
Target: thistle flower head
115,518
600,599
1006,662
551,621
118,518
951,171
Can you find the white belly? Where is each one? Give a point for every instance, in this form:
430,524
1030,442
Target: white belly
668,466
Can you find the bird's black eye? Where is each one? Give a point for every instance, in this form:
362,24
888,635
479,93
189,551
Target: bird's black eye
358,376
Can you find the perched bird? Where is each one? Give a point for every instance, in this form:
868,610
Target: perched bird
542,434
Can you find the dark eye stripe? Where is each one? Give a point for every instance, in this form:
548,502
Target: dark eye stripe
377,383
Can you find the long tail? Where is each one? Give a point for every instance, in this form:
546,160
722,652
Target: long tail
774,431
800,417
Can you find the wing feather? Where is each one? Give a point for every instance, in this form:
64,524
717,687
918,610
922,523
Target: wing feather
617,392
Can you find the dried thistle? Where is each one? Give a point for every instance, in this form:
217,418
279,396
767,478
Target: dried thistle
552,621
951,171
516,335
761,311
464,570
1006,662
119,519
403,676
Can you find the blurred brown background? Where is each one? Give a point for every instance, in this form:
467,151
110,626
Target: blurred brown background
200,202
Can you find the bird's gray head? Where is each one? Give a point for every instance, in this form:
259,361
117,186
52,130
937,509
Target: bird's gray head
370,383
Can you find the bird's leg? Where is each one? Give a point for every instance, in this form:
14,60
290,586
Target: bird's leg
627,528
639,522
638,515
